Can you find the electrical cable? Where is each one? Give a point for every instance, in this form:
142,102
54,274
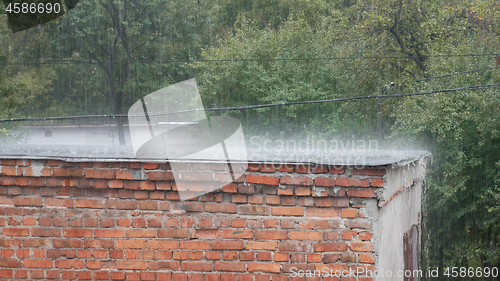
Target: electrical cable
259,105
447,75
245,60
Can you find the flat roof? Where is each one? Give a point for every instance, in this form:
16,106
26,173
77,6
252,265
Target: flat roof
99,142
78,153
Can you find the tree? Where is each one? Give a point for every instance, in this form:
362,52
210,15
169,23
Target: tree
19,84
123,48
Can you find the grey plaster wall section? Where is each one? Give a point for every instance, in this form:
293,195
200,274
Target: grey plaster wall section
37,166
397,216
371,212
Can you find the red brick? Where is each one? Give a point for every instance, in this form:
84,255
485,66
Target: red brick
238,223
267,168
314,258
46,232
56,202
6,180
324,182
130,244
189,206
307,224
196,266
377,183
10,263
196,255
131,265
9,162
28,201
253,167
341,202
296,181
227,245
9,171
237,234
89,203
229,266
7,253
323,202
117,275
195,245
22,181
38,263
148,205
121,204
205,223
330,258
271,235
336,170
349,213
263,180
6,273
230,188
330,247
205,233
287,168
66,264
264,267
4,200
297,258
287,211
257,245
150,166
348,234
157,195
76,232
322,212
100,174
180,255
365,258
365,235
123,222
302,169
220,208
239,198
254,210
229,255
164,265
361,247
115,184
319,169
305,235
173,233
349,182
131,184
54,163
25,253
302,191
140,233
160,176
16,231
364,193
368,172
249,188
109,233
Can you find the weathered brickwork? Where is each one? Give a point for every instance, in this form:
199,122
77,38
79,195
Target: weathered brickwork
124,221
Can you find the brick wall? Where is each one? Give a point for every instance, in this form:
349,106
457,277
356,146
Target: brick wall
124,221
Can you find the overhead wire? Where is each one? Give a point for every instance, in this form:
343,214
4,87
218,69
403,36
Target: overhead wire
247,60
447,75
234,108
